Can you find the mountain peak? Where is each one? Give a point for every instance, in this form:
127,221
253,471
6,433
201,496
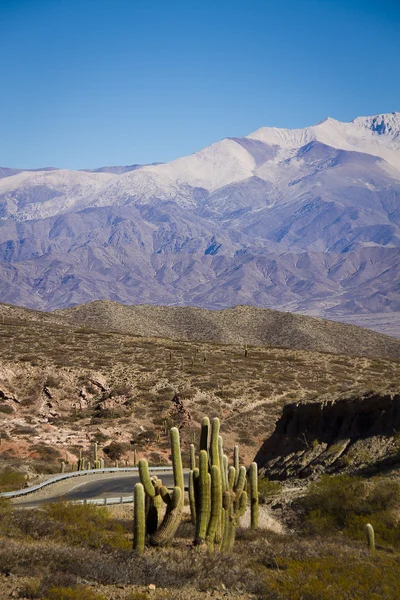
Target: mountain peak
382,124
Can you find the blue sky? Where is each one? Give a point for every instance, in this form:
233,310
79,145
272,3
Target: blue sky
104,82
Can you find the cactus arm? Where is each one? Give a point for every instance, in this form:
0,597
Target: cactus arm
172,518
216,502
177,460
214,452
205,432
145,478
139,524
242,503
231,477
192,457
203,504
192,497
241,480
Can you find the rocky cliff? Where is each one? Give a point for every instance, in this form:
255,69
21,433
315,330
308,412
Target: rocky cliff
358,434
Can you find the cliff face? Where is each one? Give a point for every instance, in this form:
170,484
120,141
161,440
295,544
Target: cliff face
355,434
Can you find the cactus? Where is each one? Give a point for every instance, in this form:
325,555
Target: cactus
62,466
214,450
216,493
134,458
162,534
254,495
139,523
192,457
203,499
204,434
216,503
236,461
95,455
369,530
192,495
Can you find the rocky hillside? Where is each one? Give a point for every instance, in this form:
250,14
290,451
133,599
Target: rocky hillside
357,434
239,325
64,385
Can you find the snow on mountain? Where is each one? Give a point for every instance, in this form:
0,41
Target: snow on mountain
303,219
378,135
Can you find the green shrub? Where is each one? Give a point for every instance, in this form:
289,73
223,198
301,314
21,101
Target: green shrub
334,577
349,503
68,593
267,489
86,525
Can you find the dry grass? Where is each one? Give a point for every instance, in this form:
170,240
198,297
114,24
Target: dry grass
263,565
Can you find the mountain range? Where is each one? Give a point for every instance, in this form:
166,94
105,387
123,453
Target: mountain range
303,220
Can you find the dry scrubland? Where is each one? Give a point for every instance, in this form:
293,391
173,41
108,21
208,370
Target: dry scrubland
63,386
66,552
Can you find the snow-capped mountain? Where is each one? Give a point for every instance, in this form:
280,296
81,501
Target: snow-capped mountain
303,219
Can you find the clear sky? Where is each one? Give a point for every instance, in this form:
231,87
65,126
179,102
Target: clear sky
107,82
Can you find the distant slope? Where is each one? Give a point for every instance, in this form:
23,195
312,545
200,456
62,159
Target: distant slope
239,325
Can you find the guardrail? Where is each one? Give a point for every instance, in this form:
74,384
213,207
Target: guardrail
105,501
63,476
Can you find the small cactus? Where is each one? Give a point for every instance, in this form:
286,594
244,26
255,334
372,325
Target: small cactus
369,530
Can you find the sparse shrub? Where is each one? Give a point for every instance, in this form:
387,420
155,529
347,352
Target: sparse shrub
87,525
267,489
333,577
11,480
137,596
115,450
6,409
46,452
31,589
68,593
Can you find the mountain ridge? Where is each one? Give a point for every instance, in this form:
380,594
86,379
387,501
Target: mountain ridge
305,220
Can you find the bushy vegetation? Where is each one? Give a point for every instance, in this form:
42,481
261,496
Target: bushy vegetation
348,503
334,578
11,480
67,593
81,525
267,489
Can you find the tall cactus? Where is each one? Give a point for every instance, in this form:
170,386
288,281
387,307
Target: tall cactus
139,522
254,495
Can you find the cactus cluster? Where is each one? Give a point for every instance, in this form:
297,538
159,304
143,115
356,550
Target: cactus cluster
217,495
160,532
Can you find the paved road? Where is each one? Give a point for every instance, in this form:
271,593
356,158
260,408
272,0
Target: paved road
99,488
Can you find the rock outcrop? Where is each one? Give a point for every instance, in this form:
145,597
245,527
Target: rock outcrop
356,434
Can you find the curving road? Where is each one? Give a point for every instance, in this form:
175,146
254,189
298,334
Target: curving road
99,488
